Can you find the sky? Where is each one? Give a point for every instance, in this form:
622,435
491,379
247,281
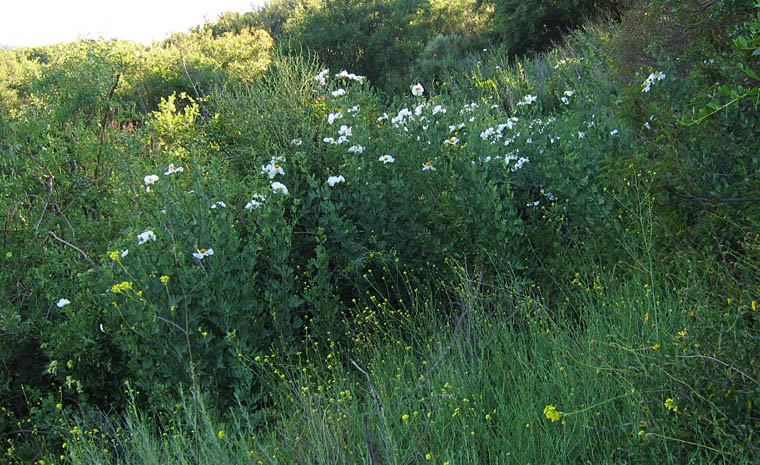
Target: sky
46,22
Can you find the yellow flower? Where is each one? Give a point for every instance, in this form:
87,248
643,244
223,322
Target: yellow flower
656,347
552,413
671,405
113,255
428,456
754,305
220,434
164,279
121,287
405,417
646,317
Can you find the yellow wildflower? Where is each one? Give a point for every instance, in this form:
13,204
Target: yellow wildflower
671,405
113,255
121,287
220,434
164,279
552,413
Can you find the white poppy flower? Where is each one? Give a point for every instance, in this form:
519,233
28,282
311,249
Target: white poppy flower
218,204
62,303
345,130
173,169
272,170
428,166
296,142
200,253
333,116
356,149
527,100
438,109
417,89
569,93
339,92
386,159
148,180
614,132
451,141
146,236
320,78
333,180
279,187
256,202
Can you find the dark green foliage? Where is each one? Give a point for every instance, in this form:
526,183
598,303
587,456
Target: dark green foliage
378,38
521,26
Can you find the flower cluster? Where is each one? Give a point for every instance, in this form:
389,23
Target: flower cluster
658,76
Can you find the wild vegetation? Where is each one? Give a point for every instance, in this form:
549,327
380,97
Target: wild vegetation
387,232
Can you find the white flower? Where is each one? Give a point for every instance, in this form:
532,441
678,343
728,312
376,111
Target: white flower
487,133
339,92
380,118
255,202
581,135
333,180
146,236
148,180
345,130
527,100
218,204
63,302
386,159
451,141
428,166
296,142
124,253
320,78
279,187
658,76
614,132
333,116
438,109
173,169
352,76
341,140
519,161
569,93
200,253
532,204
417,89
418,109
272,169
356,149
354,109
329,140
565,100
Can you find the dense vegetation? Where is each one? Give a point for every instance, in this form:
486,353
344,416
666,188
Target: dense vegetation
348,231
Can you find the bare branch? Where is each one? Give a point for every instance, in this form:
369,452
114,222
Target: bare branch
69,244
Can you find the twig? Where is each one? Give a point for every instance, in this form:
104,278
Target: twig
374,457
52,234
378,407
376,401
722,363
